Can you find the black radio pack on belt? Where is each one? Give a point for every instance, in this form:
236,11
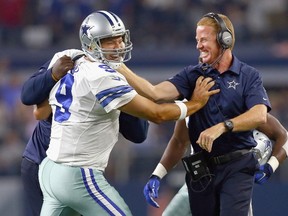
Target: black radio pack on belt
196,166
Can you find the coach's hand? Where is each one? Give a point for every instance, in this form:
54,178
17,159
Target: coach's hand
151,190
264,173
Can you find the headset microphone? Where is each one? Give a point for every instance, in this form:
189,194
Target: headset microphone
205,66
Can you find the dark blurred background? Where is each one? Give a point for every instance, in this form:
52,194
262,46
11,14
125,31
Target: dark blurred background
163,34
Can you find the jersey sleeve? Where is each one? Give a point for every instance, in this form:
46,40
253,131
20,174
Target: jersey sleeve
110,88
132,128
36,89
113,92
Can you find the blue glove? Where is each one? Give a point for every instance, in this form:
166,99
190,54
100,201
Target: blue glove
263,174
151,190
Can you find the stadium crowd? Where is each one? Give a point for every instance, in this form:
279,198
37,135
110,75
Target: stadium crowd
151,22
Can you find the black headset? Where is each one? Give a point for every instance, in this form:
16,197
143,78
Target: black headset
224,36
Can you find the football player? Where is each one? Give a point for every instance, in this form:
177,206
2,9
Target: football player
34,91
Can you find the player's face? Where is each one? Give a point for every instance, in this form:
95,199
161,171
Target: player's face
112,44
207,44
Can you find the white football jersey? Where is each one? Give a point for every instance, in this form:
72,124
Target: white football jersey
85,123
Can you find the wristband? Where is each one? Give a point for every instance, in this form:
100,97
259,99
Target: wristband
274,163
183,110
54,77
285,146
160,171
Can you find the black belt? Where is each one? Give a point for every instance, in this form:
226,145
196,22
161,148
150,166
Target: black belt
222,159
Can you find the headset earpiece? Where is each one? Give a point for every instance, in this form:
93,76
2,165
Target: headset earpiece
224,36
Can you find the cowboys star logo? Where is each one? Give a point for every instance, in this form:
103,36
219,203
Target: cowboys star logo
232,84
85,29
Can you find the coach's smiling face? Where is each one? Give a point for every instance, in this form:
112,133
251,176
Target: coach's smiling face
207,44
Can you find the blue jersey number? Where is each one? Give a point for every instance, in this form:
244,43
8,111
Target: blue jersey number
64,98
64,94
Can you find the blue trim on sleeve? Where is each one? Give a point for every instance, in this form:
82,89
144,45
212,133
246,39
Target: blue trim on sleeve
108,95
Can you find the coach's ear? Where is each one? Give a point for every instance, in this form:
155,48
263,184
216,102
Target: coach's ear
42,111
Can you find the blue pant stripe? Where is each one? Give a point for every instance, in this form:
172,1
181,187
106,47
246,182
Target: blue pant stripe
98,195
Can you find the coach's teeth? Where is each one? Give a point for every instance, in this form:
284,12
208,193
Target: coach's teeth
203,54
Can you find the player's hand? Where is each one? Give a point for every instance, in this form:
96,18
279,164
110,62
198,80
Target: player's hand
62,66
202,91
151,190
264,173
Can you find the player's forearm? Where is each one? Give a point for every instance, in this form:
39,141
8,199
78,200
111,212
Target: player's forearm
175,111
276,132
42,111
280,148
141,85
176,148
173,154
143,108
280,155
